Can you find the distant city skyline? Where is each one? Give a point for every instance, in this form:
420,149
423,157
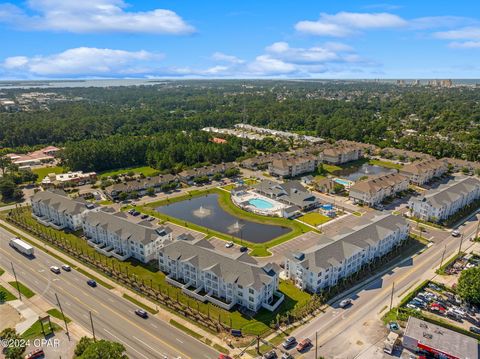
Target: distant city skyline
55,39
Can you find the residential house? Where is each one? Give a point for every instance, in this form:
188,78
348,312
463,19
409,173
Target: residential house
440,203
113,234
223,279
189,175
424,171
332,259
54,208
324,185
291,193
374,190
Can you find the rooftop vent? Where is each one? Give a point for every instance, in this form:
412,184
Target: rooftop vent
299,256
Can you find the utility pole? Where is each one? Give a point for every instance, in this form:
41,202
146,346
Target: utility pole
391,296
443,256
316,344
16,282
460,246
476,231
93,329
63,315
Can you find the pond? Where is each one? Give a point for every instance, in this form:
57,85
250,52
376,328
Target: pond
354,173
206,212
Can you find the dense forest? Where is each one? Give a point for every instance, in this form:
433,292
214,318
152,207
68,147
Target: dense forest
119,126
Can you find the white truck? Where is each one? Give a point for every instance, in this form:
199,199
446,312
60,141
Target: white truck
21,246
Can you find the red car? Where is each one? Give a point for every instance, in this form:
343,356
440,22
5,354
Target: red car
223,356
38,353
304,344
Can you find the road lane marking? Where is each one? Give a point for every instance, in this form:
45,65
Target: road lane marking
148,346
179,340
153,325
112,311
121,341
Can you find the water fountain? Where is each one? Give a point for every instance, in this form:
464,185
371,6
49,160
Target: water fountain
235,227
202,212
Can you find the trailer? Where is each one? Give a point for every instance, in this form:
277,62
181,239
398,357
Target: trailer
21,246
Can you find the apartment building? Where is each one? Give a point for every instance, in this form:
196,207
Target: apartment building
205,171
54,208
373,191
424,171
441,203
292,166
341,154
222,279
332,259
113,235
139,185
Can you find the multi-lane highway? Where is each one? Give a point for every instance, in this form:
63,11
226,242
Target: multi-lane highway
113,316
344,333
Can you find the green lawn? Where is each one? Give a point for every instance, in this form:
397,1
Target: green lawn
258,250
54,312
2,271
228,187
386,164
250,181
44,171
105,202
140,304
358,214
23,289
314,219
331,168
35,330
145,170
9,296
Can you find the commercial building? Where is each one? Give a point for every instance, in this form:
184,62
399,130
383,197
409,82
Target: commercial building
140,185
38,157
424,171
292,166
69,178
332,259
291,193
222,279
112,234
440,203
424,337
342,154
56,209
374,190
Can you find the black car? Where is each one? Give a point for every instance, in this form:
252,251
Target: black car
475,330
144,216
91,283
141,313
243,249
290,341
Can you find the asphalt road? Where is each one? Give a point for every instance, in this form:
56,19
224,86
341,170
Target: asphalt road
337,326
113,317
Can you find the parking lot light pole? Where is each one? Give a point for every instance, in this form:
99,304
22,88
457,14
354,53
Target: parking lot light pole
16,281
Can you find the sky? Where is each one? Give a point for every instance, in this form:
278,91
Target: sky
69,39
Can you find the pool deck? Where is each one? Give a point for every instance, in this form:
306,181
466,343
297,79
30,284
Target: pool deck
242,200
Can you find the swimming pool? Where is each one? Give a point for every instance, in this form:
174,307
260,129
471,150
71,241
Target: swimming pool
343,182
327,207
260,203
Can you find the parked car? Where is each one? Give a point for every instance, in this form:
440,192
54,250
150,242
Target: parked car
304,344
224,356
141,313
229,245
475,330
55,269
290,341
286,356
150,219
91,283
144,216
345,303
270,355
434,286
66,268
243,249
37,353
456,233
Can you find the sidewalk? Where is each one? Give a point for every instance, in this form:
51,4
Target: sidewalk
118,289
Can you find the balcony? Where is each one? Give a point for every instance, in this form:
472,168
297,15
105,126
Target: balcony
120,256
197,293
275,302
105,250
175,282
221,302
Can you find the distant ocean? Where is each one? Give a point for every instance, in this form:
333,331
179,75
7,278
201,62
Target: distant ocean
78,83
41,84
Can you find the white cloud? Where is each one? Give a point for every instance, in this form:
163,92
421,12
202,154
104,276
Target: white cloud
315,54
459,34
83,61
465,45
220,56
347,23
92,16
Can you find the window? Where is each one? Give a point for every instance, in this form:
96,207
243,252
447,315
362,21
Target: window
251,291
251,299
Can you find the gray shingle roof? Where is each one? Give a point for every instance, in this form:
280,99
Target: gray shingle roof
240,269
450,192
291,192
331,251
61,202
142,232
